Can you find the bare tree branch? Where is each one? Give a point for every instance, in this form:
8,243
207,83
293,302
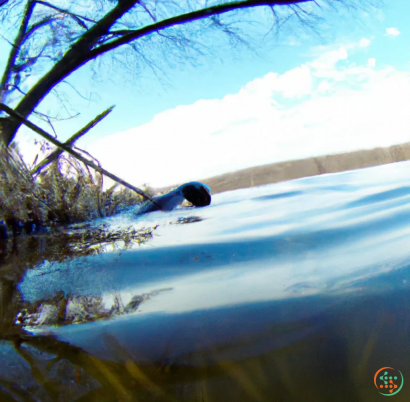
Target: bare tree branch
55,154
69,150
76,17
75,90
63,104
148,11
37,26
74,58
10,43
3,2
185,18
16,47
46,118
17,88
43,116
29,61
100,39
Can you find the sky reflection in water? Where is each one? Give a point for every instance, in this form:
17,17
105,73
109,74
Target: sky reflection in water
257,253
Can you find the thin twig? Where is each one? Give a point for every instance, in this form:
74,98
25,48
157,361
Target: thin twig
148,11
185,18
77,17
16,48
46,118
75,90
10,43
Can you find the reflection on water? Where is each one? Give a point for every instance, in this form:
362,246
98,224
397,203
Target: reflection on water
293,291
65,310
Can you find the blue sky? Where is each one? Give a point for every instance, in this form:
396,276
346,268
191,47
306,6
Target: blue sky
347,88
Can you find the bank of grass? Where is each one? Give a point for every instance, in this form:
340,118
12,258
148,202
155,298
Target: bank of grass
65,192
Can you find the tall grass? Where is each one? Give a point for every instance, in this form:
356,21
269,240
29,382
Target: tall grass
65,192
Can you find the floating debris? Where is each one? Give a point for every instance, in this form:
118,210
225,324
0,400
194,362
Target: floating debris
189,219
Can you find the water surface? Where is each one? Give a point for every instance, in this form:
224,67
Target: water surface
281,292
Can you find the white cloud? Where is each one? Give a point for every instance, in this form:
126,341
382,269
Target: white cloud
325,50
364,42
327,61
392,32
324,106
371,62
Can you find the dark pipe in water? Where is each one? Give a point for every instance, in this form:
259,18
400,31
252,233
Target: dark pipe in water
198,194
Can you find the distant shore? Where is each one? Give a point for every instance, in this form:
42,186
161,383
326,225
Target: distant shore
283,171
296,169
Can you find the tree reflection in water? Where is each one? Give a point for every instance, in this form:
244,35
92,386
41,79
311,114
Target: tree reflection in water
43,353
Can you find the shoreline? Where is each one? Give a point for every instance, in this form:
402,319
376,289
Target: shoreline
314,166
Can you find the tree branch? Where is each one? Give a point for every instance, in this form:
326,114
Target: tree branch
16,47
29,61
10,43
55,154
77,17
73,59
75,90
120,32
183,19
46,118
3,2
69,150
36,26
84,50
17,88
147,11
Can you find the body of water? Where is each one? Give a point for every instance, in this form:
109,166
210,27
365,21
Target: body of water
297,291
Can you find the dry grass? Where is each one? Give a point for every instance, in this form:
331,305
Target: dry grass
65,192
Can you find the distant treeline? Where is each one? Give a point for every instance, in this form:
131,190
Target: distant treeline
283,171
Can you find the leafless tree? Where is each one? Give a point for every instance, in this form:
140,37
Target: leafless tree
55,38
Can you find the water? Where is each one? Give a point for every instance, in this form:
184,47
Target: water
292,291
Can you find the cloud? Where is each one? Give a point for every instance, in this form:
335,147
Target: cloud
324,50
327,105
325,64
364,42
371,62
392,32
